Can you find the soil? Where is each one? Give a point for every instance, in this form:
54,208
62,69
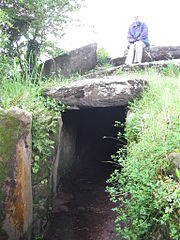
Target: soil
83,211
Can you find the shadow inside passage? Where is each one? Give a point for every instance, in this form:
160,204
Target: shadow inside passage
82,210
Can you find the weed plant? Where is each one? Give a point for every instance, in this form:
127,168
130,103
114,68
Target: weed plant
102,58
146,195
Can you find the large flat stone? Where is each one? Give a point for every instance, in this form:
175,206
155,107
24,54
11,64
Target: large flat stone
102,92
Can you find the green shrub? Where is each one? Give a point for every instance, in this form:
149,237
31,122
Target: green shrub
170,70
119,71
147,198
102,57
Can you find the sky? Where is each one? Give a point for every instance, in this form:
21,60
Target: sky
106,22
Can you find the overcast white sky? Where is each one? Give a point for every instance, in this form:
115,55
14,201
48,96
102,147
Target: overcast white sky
107,21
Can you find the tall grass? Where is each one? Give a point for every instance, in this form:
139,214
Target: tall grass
17,89
146,194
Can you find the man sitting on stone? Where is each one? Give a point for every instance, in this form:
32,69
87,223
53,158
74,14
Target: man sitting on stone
138,39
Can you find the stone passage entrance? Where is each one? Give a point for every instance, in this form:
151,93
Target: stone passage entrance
82,210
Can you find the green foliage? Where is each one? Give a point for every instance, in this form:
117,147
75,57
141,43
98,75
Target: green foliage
27,24
4,60
102,57
25,91
148,198
50,49
178,174
170,70
119,71
39,237
5,63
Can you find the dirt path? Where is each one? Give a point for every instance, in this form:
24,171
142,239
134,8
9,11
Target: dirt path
83,213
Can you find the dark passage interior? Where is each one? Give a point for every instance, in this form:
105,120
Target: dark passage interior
96,138
82,210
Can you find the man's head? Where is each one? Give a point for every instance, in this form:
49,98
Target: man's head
136,19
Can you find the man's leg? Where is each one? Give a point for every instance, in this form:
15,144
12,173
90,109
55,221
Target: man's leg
130,55
139,51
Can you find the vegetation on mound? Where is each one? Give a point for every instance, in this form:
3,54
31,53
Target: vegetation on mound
25,92
146,193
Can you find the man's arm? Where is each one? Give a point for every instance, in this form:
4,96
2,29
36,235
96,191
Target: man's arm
144,33
130,37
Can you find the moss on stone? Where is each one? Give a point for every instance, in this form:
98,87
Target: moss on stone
9,133
10,130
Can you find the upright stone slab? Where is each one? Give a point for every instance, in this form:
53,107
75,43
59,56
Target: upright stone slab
15,174
76,61
56,160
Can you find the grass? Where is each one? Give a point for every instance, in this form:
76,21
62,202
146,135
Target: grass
147,196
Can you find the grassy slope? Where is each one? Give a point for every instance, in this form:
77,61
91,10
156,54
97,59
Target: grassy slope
147,193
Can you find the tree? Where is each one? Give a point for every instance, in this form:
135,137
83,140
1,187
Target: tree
4,59
31,21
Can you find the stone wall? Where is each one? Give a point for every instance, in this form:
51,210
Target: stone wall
153,53
76,61
56,159
15,174
67,148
